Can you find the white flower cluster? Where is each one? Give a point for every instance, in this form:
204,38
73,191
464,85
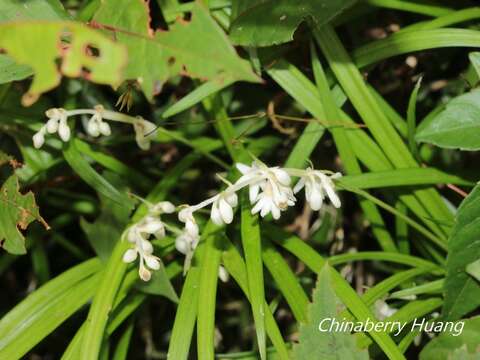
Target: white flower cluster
270,192
95,126
139,235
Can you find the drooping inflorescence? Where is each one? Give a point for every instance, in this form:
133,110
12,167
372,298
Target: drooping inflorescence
270,190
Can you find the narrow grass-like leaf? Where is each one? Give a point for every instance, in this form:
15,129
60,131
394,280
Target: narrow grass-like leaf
185,317
286,280
252,248
121,351
412,120
91,177
235,266
207,302
102,303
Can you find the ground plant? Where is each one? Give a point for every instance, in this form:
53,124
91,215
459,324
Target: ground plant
239,179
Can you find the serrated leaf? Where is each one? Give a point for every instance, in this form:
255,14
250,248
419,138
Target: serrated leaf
457,126
449,345
462,292
271,22
21,40
197,48
17,211
315,344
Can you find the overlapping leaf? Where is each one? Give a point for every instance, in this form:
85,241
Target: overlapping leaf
462,291
82,52
457,126
269,22
197,48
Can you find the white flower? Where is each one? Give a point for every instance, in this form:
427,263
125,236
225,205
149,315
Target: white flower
223,274
318,185
96,126
57,123
222,208
163,207
269,188
186,243
39,138
186,216
142,248
143,129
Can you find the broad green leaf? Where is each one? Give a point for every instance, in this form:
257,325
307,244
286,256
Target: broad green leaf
316,344
462,292
21,41
20,10
17,211
475,61
197,48
269,22
447,345
457,126
11,71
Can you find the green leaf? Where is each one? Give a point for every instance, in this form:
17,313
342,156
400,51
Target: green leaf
316,344
269,22
20,10
17,211
456,127
446,345
11,71
197,48
21,41
92,178
104,232
462,292
474,269
159,284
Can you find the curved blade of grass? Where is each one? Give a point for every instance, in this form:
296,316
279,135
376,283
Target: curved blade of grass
286,280
196,96
453,18
185,317
109,162
412,6
427,288
53,313
412,120
411,41
235,266
384,256
102,303
207,301
123,343
252,248
15,320
403,177
83,169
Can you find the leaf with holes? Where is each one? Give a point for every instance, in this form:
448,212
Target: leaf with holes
82,52
462,291
17,211
197,48
270,22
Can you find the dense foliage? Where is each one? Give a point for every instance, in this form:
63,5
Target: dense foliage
211,179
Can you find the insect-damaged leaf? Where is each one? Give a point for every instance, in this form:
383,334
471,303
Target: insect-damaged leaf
82,52
17,211
197,48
